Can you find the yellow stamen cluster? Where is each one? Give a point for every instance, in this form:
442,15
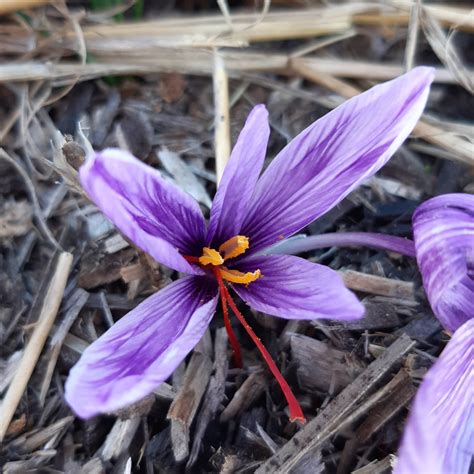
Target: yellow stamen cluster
231,248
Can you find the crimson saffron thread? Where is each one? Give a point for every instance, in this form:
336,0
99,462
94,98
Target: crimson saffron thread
296,413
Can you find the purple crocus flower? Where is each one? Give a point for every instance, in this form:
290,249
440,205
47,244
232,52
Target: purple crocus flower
439,436
312,174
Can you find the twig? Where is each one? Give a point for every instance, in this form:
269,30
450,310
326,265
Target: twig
221,115
412,36
453,16
8,6
35,345
119,438
31,191
354,69
377,285
80,298
200,62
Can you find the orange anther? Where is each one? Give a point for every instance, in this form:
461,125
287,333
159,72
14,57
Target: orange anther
210,257
234,276
234,247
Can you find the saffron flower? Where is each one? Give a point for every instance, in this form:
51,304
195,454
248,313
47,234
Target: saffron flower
250,213
439,436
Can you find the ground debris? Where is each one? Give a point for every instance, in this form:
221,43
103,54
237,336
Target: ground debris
73,79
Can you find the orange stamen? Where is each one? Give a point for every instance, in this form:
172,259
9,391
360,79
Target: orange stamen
210,257
234,276
296,413
234,247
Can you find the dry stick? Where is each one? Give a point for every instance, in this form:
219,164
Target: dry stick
209,30
377,285
461,149
199,62
412,37
8,6
455,17
356,69
35,345
34,199
221,115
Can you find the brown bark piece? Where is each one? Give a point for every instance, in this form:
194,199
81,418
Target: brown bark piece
185,405
321,367
377,285
100,270
250,391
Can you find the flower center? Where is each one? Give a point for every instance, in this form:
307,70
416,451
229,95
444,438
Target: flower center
215,259
231,248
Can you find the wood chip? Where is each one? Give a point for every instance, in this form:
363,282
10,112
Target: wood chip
377,285
400,390
119,438
183,176
214,396
15,218
383,466
97,270
245,396
29,442
185,405
334,370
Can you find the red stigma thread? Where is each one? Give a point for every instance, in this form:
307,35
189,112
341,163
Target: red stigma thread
296,413
228,327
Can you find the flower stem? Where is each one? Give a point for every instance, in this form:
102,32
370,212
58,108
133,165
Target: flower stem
345,239
296,413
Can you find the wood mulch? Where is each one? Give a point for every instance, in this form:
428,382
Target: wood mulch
66,274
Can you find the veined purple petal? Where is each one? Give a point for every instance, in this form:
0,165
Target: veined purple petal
156,215
293,288
443,228
439,435
142,349
235,191
331,157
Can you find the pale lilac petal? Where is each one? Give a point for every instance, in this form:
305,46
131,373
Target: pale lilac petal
293,288
234,193
331,157
158,217
443,228
142,349
439,435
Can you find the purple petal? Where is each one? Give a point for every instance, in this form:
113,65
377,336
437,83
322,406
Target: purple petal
439,435
142,349
158,217
233,196
293,288
444,239
331,157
